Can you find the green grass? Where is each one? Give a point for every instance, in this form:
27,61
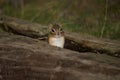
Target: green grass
86,20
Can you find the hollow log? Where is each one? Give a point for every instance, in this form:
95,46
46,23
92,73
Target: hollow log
79,42
25,58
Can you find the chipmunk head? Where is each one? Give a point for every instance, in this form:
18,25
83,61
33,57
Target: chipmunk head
56,35
55,30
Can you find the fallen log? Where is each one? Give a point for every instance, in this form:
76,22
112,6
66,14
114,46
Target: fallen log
25,58
23,27
76,42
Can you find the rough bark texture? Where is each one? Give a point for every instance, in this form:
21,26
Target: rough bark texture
24,58
27,58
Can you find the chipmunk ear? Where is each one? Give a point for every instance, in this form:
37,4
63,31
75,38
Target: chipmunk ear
60,24
50,26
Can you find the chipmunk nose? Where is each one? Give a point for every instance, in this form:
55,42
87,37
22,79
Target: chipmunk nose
57,35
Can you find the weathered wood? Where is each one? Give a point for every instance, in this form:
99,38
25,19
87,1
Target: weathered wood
24,58
24,27
96,45
76,40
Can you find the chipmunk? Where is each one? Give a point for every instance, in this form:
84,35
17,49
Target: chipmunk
56,35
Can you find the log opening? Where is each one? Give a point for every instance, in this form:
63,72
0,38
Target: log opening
74,46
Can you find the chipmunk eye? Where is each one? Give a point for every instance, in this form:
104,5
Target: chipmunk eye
52,30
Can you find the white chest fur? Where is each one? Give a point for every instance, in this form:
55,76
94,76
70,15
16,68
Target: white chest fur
59,42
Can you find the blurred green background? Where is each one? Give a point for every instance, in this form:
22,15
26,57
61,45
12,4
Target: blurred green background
100,18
